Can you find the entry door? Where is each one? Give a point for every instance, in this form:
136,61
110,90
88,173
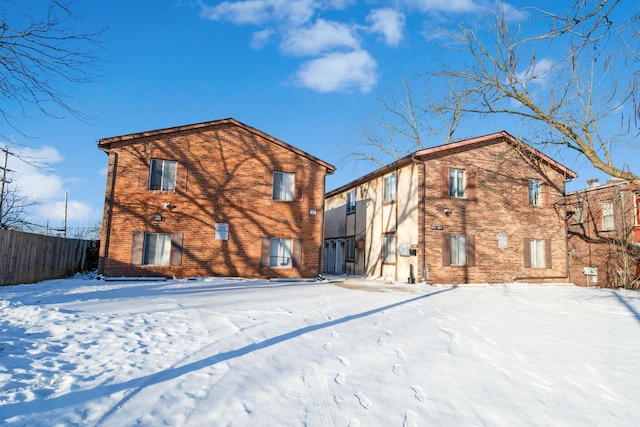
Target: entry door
330,256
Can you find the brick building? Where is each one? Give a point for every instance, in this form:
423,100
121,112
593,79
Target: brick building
211,199
603,226
488,209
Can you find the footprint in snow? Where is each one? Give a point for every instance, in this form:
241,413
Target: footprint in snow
327,346
382,342
419,394
401,354
354,423
397,369
340,378
410,419
389,333
335,334
344,361
362,399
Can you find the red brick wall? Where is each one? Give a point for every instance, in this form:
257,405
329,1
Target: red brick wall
592,246
500,205
223,178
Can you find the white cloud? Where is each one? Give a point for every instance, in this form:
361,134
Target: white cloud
261,38
319,38
459,6
538,71
54,211
37,182
257,12
389,23
339,71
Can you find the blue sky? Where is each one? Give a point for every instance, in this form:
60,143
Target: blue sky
307,72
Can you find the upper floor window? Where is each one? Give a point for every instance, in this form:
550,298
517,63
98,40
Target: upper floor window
390,188
283,186
351,201
280,253
389,248
162,175
577,215
535,194
607,216
157,249
457,183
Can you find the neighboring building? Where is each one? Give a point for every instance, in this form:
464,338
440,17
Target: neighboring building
217,198
603,225
488,209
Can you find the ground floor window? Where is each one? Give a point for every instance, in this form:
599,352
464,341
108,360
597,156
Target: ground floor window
350,250
280,253
157,249
537,253
389,248
458,249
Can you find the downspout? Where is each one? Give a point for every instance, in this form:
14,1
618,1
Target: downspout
322,224
109,202
424,221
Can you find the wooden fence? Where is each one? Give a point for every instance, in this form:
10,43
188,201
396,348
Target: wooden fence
30,258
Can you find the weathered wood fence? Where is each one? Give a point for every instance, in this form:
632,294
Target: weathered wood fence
30,258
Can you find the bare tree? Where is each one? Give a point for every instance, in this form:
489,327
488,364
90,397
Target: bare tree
572,83
15,207
40,53
406,124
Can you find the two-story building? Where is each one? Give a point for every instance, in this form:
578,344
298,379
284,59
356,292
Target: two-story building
603,224
488,209
218,198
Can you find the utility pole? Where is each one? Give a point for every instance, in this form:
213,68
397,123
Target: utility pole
5,151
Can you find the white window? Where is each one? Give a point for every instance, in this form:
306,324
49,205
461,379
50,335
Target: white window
280,253
537,253
390,188
458,250
457,183
351,201
162,175
157,249
389,248
607,216
535,198
577,215
283,186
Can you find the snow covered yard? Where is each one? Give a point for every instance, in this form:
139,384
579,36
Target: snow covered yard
254,353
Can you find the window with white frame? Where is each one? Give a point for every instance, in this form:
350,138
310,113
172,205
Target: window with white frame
535,195
457,183
458,249
283,186
577,215
390,188
537,253
389,248
280,253
162,175
157,249
607,216
351,201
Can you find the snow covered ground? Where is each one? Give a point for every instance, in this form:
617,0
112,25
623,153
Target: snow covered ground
227,352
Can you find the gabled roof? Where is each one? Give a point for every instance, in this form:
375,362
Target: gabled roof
106,143
445,149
